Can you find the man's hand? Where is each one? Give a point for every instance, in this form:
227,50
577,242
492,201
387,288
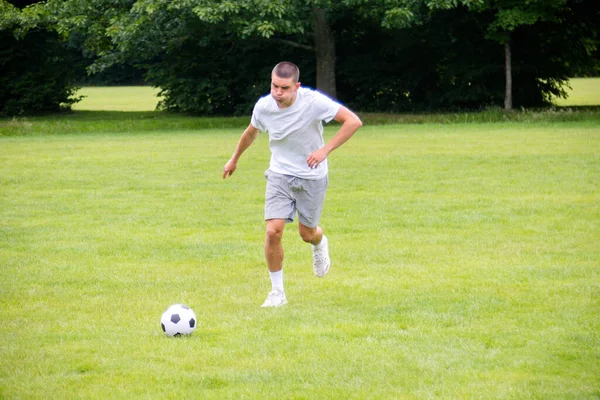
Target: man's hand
229,169
317,157
249,135
350,124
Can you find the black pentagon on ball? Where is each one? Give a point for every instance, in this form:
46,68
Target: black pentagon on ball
192,322
163,327
175,318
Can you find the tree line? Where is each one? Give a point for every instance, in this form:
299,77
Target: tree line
213,57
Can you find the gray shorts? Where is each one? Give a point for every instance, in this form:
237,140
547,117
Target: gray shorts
287,194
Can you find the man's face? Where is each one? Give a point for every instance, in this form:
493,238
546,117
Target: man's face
284,90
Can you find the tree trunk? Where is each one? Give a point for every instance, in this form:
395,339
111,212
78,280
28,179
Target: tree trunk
325,53
508,72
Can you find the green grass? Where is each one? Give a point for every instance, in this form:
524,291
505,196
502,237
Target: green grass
583,92
465,260
117,98
465,264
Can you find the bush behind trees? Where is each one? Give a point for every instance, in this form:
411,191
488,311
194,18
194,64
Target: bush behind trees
36,74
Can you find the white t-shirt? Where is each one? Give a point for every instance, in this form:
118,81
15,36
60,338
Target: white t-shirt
296,131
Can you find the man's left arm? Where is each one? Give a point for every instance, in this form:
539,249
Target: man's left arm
350,124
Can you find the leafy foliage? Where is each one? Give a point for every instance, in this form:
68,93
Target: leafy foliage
213,57
201,68
451,62
35,65
442,55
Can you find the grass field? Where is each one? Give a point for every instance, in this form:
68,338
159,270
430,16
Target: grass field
117,98
465,261
583,92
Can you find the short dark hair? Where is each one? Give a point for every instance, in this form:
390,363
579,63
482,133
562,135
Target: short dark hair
286,69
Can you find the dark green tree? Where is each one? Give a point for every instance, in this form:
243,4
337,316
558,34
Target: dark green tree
212,56
35,65
513,21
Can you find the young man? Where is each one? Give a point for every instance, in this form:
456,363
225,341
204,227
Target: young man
297,174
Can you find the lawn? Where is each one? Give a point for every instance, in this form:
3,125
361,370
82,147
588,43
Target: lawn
582,92
117,98
465,262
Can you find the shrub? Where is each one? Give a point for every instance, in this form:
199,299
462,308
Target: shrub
36,72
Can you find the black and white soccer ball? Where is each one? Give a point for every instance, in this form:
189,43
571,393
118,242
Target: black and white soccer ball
178,320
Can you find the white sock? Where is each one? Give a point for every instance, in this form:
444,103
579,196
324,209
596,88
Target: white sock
318,246
277,280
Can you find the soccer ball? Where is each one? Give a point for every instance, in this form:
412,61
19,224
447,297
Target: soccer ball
178,320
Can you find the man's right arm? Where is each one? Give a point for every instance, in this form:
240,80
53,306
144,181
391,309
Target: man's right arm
248,137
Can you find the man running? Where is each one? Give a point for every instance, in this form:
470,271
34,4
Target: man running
297,176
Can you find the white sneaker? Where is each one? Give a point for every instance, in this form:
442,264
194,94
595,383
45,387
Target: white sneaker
321,260
275,299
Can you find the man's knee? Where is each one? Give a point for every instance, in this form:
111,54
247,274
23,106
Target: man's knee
274,232
308,234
